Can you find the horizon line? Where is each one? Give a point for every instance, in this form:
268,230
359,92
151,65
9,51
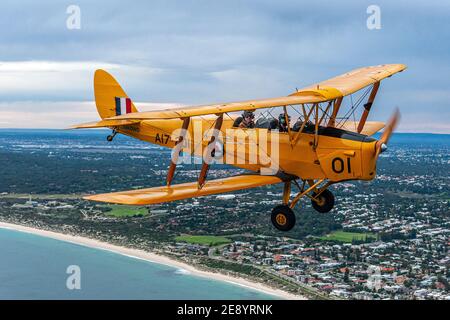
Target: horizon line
93,129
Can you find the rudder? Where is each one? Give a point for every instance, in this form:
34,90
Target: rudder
110,99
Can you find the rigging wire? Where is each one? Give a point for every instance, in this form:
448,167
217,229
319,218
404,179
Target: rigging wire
353,108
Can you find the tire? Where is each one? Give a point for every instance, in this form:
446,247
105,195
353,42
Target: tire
326,199
283,218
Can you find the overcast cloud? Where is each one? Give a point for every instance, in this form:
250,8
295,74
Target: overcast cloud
191,52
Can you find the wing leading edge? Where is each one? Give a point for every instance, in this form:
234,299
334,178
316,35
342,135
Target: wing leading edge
184,191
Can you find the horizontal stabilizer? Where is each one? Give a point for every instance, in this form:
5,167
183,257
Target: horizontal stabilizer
370,127
184,190
104,124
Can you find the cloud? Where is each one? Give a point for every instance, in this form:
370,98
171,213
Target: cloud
43,80
58,114
197,52
51,66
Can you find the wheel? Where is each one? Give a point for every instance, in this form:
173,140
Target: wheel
325,202
283,218
110,138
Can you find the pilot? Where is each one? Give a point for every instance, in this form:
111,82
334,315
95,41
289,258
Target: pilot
282,125
245,121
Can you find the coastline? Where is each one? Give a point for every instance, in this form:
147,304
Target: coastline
154,258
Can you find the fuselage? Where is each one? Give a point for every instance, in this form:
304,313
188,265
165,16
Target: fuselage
332,154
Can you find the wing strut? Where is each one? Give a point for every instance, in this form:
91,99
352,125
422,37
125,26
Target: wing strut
210,152
336,106
367,106
305,121
286,119
177,151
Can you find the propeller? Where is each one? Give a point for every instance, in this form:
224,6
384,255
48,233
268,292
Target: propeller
381,144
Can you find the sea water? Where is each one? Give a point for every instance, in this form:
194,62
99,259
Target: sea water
36,267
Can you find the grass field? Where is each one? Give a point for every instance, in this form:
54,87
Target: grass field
343,236
205,240
126,211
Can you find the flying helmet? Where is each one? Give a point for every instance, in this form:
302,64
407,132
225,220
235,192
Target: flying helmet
247,113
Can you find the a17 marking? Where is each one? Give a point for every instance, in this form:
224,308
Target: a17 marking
162,138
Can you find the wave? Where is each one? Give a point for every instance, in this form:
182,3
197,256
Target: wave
182,271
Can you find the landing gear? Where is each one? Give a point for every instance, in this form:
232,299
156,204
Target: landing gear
283,218
111,136
324,202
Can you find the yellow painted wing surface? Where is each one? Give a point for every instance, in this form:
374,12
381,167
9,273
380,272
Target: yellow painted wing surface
184,190
104,123
340,86
311,96
357,79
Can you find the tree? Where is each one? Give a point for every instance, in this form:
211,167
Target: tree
346,274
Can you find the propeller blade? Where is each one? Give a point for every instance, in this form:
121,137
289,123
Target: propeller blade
381,144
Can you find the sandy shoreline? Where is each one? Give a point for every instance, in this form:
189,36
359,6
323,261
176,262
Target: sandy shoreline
152,257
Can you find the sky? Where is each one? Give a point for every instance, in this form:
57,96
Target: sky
176,53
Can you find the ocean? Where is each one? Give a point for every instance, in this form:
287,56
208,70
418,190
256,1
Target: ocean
35,267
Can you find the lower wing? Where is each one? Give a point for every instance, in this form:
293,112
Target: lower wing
184,190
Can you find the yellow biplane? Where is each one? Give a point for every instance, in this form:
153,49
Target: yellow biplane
317,150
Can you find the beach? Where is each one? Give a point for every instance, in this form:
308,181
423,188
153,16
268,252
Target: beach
154,258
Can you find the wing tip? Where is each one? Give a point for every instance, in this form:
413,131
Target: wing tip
401,67
93,197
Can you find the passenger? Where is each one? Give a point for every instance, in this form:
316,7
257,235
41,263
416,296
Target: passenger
282,125
245,121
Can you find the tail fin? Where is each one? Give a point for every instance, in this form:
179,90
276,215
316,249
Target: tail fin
110,98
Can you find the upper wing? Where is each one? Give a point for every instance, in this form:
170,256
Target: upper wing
357,79
307,96
340,86
184,190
